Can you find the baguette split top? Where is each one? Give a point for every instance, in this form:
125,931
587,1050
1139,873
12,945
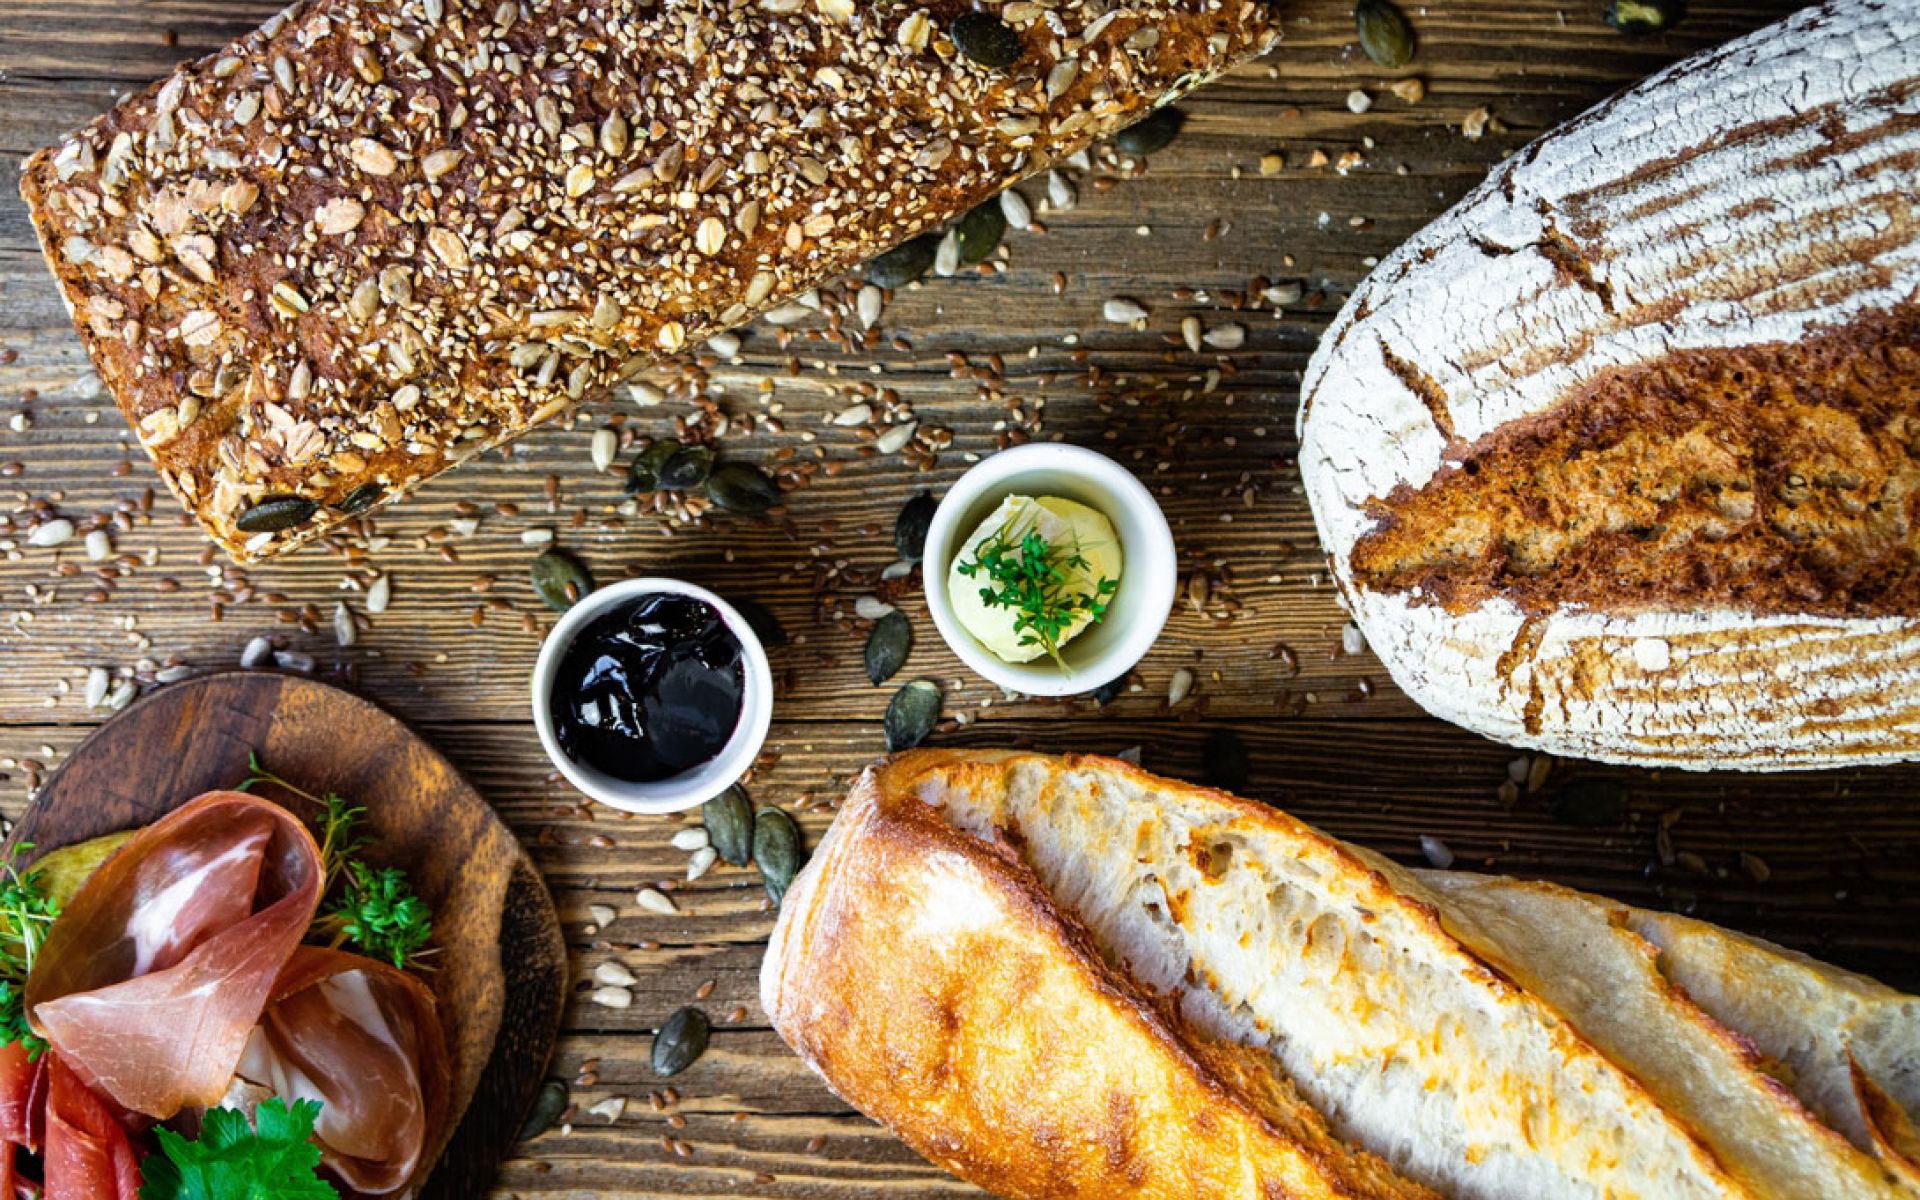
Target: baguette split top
376,237
1064,977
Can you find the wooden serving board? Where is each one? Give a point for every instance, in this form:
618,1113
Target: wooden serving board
500,974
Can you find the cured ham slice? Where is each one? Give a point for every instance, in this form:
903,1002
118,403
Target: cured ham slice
23,1094
23,1097
364,1040
151,980
88,1155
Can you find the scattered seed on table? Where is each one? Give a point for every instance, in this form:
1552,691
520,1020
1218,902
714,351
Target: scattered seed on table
1384,33
680,1042
1179,686
728,818
655,901
777,850
912,714
614,974
692,838
888,645
548,1105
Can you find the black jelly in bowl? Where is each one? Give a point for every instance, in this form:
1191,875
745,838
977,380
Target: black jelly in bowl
649,689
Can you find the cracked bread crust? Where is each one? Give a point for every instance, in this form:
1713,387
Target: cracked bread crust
376,237
1614,460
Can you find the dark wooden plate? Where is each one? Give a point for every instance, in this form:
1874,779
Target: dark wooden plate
500,976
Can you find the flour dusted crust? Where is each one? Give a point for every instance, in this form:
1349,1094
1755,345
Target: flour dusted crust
377,237
1048,973
1747,205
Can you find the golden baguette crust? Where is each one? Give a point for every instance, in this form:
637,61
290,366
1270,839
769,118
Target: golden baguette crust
1580,954
935,986
377,237
1330,971
1848,1045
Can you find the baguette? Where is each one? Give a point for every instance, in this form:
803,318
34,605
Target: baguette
376,237
1617,458
943,958
1580,954
1849,1046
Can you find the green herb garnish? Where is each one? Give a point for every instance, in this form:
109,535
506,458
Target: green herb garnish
26,913
1033,578
273,1158
339,820
376,908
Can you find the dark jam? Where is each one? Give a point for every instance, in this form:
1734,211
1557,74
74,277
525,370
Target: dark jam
649,689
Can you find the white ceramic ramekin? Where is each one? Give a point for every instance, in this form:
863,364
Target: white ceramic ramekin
1148,569
689,788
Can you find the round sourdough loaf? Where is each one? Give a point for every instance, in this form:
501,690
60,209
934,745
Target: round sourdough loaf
1620,458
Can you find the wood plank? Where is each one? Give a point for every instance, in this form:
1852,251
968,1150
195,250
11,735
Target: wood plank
1328,736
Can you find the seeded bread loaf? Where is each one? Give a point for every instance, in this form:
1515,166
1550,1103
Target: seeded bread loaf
1620,458
1066,977
376,237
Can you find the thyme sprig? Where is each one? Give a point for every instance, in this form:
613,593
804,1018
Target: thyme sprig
375,908
1035,579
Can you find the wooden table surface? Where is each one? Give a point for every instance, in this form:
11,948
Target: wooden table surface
1824,862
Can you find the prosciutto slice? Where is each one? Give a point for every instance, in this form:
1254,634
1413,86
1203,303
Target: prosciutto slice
364,1040
88,1156
23,1097
152,979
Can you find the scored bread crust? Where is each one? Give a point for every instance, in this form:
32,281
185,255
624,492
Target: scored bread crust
1840,1038
933,984
1581,954
377,237
1747,199
951,960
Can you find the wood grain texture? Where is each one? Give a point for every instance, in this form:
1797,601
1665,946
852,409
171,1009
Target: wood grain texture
1332,740
499,966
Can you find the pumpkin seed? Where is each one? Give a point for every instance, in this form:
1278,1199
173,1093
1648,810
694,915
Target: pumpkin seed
687,468
1152,132
643,475
1227,766
548,1104
980,231
1638,17
681,1041
904,263
986,40
742,488
912,714
1109,691
561,579
1388,39
777,850
275,513
729,822
361,498
910,527
888,646
1589,803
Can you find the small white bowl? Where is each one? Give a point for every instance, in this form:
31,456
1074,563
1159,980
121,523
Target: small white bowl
691,787
1148,570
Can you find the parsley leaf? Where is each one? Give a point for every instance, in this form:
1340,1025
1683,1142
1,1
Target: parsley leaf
273,1158
1036,581
378,909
